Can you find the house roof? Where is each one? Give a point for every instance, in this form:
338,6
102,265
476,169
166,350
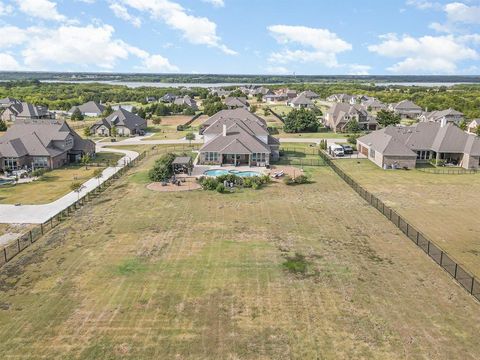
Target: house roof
406,105
236,102
182,160
29,111
301,99
9,101
186,100
90,107
36,138
238,113
440,114
339,110
374,103
252,127
310,94
236,141
122,117
423,136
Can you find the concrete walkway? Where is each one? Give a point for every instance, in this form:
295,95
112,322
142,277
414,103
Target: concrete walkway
37,214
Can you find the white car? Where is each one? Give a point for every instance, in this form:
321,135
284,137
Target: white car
336,150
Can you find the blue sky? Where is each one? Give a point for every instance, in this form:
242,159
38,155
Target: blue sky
242,36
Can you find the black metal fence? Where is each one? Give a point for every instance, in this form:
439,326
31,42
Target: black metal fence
449,171
447,262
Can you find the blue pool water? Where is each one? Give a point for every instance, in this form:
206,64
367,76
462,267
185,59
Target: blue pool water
219,172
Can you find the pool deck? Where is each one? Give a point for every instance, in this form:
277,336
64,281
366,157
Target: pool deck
199,170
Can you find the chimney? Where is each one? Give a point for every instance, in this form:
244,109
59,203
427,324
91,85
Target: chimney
224,132
443,122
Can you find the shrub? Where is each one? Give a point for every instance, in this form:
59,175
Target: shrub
255,186
302,179
39,172
209,183
220,188
156,121
296,264
287,180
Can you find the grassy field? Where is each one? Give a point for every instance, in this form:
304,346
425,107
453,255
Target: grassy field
53,185
147,275
443,207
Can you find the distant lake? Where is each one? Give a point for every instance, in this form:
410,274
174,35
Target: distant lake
133,84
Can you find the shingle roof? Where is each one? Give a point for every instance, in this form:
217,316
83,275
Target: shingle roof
90,107
406,105
238,113
236,102
237,141
302,99
36,137
122,117
423,136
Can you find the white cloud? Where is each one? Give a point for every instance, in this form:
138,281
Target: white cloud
42,9
45,48
8,63
156,63
121,12
5,9
278,70
357,69
196,30
318,45
462,13
216,3
424,4
427,54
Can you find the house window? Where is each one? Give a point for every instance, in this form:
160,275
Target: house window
10,163
211,156
69,142
372,153
40,162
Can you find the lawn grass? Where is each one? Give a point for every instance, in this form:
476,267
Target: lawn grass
107,157
146,275
53,185
443,207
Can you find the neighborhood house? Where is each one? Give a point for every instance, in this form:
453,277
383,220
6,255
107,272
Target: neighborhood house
32,144
406,109
449,115
404,147
91,109
25,111
237,137
341,114
125,123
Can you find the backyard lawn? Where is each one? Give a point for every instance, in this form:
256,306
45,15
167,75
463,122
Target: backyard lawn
443,207
53,185
148,275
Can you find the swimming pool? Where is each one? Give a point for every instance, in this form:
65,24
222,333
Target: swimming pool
219,172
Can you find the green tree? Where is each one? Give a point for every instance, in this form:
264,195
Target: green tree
386,118
237,93
259,97
108,111
3,125
477,131
301,120
77,115
156,121
85,160
463,125
190,137
76,187
141,112
162,170
189,111
266,111
253,108
98,174
113,131
353,127
86,132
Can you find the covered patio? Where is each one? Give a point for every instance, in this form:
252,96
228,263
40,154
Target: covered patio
182,165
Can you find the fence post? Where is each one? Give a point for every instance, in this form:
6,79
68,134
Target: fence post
31,237
441,258
41,228
473,282
428,248
418,236
456,267
5,254
407,227
18,244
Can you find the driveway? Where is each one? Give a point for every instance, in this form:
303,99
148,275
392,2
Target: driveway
37,214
